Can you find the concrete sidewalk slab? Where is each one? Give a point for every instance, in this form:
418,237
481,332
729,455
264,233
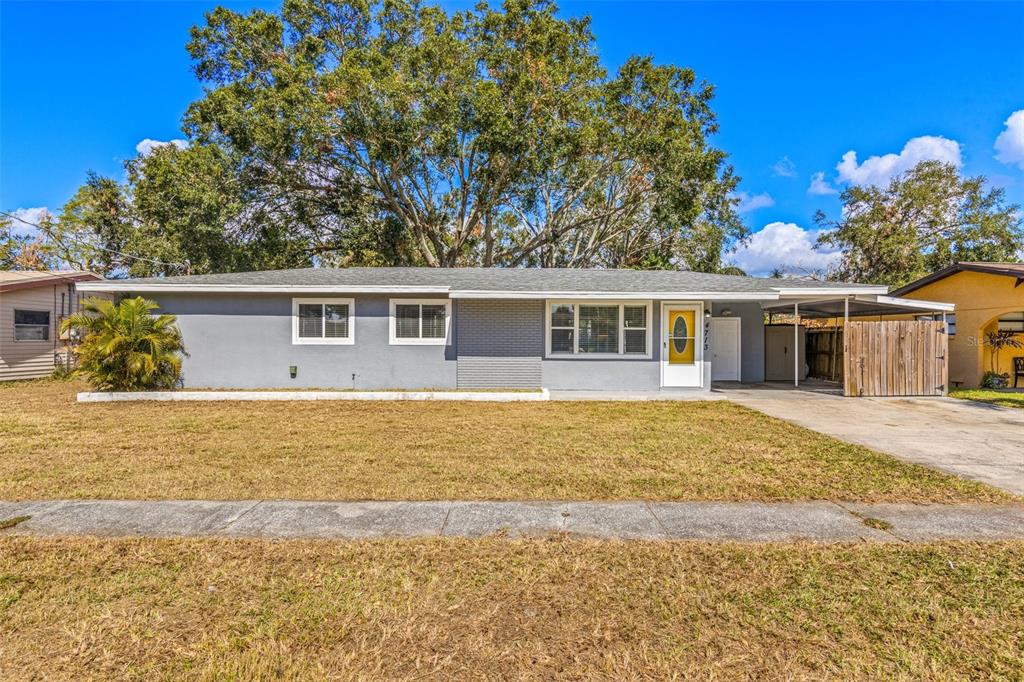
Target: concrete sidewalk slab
763,522
711,521
285,519
626,520
938,522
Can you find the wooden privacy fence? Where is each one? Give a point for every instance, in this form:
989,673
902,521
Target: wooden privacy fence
896,357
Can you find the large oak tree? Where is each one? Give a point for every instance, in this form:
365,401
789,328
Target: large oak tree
398,133
923,220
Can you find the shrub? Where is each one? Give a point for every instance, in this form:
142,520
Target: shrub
994,380
125,347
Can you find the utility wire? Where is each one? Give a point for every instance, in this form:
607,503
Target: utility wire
184,266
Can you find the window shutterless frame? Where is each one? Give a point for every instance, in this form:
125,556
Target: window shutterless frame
622,329
323,339
31,326
419,340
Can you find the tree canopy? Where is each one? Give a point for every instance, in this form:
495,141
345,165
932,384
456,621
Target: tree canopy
923,220
396,133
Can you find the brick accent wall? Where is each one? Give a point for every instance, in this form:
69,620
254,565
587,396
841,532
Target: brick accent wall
500,343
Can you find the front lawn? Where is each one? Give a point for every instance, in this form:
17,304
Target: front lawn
1003,398
507,609
53,447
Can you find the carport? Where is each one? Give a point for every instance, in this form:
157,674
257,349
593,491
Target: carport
880,357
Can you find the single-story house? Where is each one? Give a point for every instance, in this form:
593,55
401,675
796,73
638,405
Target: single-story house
403,328
32,305
988,297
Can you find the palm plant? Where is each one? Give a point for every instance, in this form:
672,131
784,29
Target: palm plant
124,346
997,341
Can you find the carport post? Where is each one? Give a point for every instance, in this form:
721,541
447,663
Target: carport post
796,344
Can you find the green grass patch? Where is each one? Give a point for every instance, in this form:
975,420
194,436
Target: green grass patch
1002,397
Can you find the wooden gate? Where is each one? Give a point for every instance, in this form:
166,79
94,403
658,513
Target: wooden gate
896,357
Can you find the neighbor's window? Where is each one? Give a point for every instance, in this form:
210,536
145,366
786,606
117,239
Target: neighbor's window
416,321
950,321
322,320
31,325
1012,322
598,329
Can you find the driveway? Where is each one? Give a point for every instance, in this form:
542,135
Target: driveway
974,440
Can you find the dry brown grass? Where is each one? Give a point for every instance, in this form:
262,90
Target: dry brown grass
494,608
53,447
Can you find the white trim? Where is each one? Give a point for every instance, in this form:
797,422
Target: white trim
395,341
698,351
912,303
323,340
618,295
260,288
739,346
575,354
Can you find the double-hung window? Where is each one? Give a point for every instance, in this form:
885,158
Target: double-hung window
31,325
598,329
419,321
323,321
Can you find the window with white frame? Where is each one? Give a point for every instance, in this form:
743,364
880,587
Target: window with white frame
601,328
420,321
31,325
323,321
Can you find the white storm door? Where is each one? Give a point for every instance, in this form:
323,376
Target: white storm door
682,338
725,349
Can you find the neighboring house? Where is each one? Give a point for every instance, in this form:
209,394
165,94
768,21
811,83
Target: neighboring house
32,304
988,296
479,328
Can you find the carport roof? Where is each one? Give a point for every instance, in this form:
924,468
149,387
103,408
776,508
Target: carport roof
860,305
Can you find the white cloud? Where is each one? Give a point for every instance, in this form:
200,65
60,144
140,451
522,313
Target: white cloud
784,168
879,170
146,147
786,246
819,185
34,215
749,202
1010,143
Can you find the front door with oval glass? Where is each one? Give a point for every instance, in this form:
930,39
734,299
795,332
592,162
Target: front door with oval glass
681,347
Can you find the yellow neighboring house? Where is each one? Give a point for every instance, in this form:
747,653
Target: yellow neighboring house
988,296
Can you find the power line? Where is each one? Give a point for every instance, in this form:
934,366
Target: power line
93,246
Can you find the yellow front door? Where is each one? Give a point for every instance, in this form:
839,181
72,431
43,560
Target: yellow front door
682,336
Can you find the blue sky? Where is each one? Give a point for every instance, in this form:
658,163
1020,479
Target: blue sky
801,83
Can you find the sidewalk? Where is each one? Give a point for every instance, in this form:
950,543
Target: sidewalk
715,521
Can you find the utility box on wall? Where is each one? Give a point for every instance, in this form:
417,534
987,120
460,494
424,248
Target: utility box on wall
778,352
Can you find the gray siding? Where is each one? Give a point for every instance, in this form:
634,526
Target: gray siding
245,341
500,343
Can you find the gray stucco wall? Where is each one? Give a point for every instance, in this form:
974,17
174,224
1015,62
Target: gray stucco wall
245,341
751,338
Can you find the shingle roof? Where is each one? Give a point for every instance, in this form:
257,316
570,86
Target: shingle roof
497,279
1006,269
